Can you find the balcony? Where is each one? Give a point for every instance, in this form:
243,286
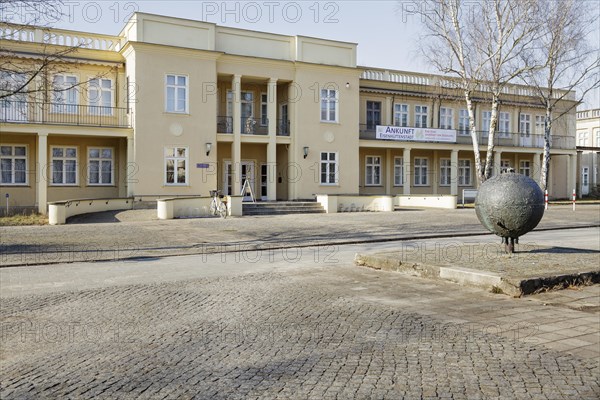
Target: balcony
252,126
25,112
511,139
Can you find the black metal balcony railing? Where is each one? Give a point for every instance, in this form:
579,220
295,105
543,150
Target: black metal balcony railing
500,138
283,127
224,124
26,112
252,126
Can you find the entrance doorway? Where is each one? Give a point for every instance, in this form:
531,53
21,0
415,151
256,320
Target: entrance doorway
247,168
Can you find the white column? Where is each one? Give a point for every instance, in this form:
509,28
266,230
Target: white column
454,173
436,173
571,174
497,162
130,166
537,167
43,173
272,145
236,146
389,171
388,111
407,170
293,99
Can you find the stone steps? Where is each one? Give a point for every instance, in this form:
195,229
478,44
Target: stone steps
282,208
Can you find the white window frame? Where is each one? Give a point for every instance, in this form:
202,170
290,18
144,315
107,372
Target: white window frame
373,177
328,162
525,165
486,120
504,166
583,138
504,124
329,99
98,108
64,158
539,124
419,115
585,176
13,108
176,158
525,124
423,169
176,88
399,112
597,131
463,122
445,172
12,159
229,105
465,172
446,118
62,101
264,109
398,171
100,159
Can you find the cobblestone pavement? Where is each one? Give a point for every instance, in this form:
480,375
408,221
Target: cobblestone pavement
320,332
138,236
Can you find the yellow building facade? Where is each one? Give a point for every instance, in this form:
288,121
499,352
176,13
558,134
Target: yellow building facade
173,107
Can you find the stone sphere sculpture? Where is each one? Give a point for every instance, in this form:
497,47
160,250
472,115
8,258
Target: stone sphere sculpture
509,205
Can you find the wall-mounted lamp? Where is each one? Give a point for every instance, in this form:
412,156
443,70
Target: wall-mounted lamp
305,149
208,148
347,85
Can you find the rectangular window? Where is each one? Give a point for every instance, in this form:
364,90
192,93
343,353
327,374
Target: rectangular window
421,171
100,96
504,124
445,172
597,138
401,115
329,168
464,172
176,87
247,105
446,118
583,138
176,165
421,116
398,171
13,164
65,95
264,121
486,117
585,176
100,166
13,107
373,171
504,166
525,168
525,124
463,122
64,165
539,124
329,105
373,114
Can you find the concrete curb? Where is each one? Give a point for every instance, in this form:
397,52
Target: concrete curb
512,286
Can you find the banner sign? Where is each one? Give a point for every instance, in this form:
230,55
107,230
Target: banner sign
415,134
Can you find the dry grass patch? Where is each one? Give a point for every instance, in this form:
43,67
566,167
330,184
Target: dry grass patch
24,219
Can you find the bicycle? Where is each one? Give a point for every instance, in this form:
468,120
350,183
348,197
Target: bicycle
218,205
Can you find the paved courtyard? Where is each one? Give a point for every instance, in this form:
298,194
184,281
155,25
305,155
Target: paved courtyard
308,325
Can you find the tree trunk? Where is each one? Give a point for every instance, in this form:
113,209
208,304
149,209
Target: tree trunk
546,159
474,139
489,156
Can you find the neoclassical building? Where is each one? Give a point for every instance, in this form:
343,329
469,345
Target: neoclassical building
588,151
175,107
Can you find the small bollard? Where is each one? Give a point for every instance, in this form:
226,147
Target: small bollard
574,197
546,199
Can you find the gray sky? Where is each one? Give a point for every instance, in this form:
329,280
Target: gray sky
387,33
